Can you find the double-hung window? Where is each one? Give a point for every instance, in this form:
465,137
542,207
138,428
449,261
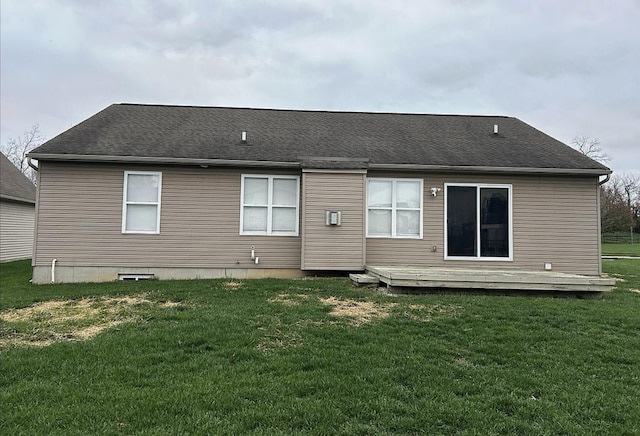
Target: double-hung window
269,205
394,208
141,202
478,222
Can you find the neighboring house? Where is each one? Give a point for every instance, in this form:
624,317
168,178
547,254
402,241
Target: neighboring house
185,192
17,206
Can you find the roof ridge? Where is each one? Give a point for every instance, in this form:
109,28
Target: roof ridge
309,110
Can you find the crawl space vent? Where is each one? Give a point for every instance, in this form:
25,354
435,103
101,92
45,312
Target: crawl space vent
135,277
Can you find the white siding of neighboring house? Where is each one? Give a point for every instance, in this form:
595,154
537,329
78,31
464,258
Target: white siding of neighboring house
16,230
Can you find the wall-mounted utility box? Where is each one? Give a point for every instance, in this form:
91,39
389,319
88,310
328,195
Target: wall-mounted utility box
334,218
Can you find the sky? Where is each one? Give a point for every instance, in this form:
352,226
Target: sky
570,68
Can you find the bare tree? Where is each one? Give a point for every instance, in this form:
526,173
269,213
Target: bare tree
16,150
620,204
590,147
620,198
614,216
630,187
629,184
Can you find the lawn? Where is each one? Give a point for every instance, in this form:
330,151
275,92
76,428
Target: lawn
621,249
314,357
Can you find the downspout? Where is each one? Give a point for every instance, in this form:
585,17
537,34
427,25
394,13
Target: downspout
35,168
606,179
53,270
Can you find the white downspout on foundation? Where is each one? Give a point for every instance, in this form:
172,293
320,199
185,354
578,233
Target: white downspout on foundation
53,270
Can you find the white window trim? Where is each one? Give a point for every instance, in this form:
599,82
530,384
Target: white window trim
125,203
270,205
478,257
394,208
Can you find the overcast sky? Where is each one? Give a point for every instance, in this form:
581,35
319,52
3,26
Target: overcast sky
569,68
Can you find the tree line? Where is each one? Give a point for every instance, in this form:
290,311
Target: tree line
619,197
620,204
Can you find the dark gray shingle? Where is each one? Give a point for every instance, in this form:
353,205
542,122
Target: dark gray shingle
289,135
13,184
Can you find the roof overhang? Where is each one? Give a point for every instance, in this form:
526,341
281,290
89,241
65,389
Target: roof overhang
16,199
153,160
162,160
491,169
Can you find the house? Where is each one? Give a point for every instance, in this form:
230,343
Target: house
182,192
17,208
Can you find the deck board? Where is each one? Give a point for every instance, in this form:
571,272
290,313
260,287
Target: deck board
490,279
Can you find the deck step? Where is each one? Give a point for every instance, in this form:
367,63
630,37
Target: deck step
364,279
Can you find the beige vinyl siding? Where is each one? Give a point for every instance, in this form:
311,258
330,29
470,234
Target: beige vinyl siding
16,230
333,247
555,219
80,220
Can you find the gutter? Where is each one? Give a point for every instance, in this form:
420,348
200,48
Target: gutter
297,165
35,168
490,169
162,160
605,180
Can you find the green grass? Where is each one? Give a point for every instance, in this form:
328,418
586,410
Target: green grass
621,249
269,357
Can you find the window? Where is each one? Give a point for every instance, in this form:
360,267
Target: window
269,205
478,222
394,208
141,202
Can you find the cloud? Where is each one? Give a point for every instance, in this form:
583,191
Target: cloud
568,69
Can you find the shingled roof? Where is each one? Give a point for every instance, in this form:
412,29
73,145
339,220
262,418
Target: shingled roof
212,135
13,184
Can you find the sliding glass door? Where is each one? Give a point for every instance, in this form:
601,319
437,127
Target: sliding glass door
478,221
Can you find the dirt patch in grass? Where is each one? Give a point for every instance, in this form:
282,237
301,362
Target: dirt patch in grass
289,299
233,285
358,312
463,361
275,333
428,312
47,322
361,312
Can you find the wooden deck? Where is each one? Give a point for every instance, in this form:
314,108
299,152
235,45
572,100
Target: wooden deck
484,279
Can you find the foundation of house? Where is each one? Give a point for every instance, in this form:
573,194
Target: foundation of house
70,274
